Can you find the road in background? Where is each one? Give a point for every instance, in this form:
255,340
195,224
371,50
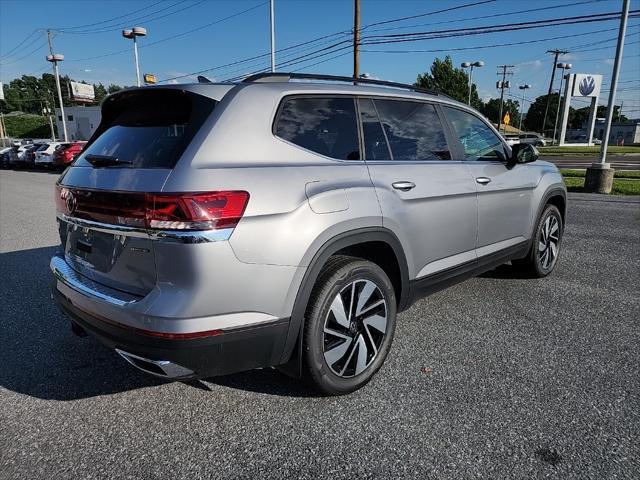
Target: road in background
497,377
619,162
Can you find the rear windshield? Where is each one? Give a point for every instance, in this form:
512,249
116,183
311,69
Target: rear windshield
147,128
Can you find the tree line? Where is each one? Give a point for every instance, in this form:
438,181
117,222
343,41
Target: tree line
445,78
30,94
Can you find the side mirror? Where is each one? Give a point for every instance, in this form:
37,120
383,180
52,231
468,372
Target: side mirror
522,153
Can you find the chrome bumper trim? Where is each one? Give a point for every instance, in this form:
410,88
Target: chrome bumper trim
178,236
67,275
170,369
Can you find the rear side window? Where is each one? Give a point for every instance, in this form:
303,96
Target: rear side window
477,139
375,142
413,129
323,125
147,128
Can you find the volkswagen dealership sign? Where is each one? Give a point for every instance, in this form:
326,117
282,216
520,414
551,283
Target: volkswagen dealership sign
586,85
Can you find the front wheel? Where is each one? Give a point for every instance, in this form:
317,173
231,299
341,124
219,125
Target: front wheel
349,325
545,246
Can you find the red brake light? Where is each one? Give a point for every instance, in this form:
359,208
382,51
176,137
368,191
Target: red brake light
160,211
199,211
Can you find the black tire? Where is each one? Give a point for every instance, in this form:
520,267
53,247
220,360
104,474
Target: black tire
535,264
340,276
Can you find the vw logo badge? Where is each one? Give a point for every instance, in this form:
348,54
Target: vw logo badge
587,85
71,202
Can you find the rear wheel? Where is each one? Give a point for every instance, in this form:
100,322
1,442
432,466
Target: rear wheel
545,247
349,325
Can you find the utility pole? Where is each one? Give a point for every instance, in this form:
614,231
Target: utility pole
599,177
356,39
54,59
273,37
502,85
556,54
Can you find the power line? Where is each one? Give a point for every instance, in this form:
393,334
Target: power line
326,36
444,10
24,56
510,44
110,19
171,37
482,17
148,18
417,36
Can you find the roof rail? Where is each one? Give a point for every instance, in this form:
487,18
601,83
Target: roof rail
285,77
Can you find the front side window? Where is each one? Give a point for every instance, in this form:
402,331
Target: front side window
478,140
413,129
323,125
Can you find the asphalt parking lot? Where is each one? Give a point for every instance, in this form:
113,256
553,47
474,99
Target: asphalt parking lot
498,377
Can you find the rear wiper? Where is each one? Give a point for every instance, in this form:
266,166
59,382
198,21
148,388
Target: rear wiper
105,161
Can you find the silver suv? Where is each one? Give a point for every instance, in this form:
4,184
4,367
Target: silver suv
212,228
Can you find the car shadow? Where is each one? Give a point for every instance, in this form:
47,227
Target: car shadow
267,381
42,358
506,272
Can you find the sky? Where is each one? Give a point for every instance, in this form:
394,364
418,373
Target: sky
197,35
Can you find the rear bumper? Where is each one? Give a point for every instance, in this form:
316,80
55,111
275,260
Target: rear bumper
231,351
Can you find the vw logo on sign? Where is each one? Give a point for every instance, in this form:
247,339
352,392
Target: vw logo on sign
587,86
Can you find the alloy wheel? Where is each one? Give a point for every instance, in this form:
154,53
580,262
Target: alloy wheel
354,328
549,242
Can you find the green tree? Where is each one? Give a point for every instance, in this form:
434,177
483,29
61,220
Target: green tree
491,110
535,115
581,115
451,81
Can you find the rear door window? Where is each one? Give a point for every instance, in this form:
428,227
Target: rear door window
324,125
147,128
375,141
413,130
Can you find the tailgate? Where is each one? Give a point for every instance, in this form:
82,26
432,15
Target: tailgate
101,199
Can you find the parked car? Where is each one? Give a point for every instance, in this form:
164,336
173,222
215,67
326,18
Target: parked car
64,155
44,155
31,152
583,139
212,228
535,139
512,139
20,154
5,156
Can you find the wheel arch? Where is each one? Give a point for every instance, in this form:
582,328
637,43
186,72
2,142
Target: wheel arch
367,243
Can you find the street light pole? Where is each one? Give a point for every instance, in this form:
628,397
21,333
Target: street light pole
470,66
564,67
133,33
55,59
599,177
524,89
273,37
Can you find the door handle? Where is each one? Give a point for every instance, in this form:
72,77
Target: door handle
483,180
403,186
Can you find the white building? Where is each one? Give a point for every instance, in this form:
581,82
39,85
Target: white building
81,122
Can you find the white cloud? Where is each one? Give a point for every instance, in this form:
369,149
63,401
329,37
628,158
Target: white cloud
609,61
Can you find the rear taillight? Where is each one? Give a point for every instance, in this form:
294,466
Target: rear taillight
195,211
158,211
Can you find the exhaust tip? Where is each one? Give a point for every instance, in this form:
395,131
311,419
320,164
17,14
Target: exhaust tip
159,368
